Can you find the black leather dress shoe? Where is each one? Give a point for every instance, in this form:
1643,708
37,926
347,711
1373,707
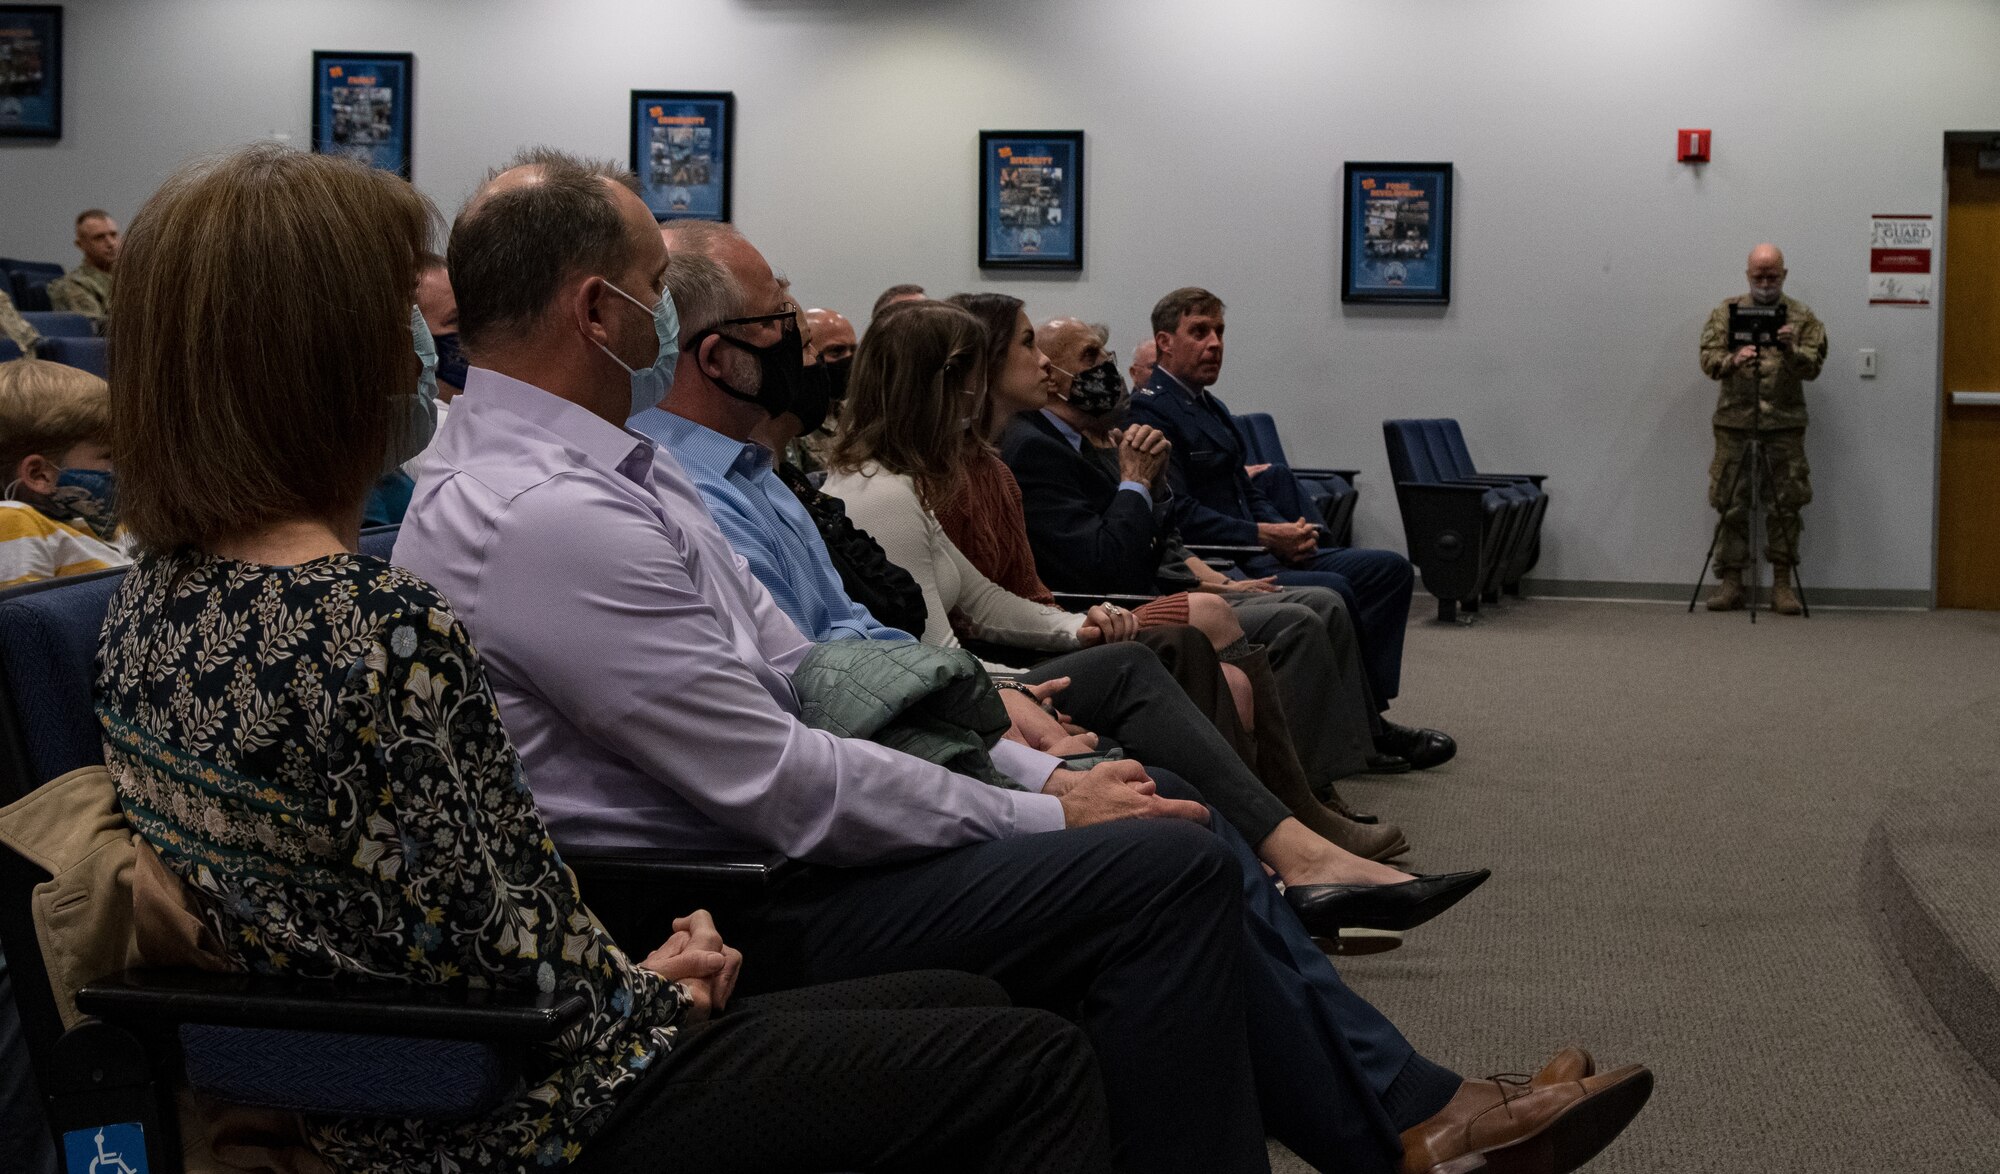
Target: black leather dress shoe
1425,748
1326,909
1388,764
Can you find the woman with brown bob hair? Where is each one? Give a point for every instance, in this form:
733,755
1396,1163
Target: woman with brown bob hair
307,738
918,387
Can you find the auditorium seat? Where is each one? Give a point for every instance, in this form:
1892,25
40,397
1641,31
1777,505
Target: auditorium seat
86,353
358,1049
9,350
1528,486
59,324
1332,490
27,282
1455,530
1513,505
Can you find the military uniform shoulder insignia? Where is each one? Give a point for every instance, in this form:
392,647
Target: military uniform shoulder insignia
1148,392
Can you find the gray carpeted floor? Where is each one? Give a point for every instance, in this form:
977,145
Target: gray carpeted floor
1675,809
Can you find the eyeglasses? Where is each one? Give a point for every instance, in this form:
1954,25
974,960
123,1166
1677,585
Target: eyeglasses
783,316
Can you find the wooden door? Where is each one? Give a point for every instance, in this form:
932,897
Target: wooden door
1968,567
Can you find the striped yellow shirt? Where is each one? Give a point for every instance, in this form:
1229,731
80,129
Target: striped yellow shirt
35,546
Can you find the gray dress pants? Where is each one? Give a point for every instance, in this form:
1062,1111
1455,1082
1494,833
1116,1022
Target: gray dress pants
1316,659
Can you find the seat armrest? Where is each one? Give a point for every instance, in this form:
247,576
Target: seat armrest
153,997
1082,601
747,870
1225,565
1347,475
1204,550
1444,489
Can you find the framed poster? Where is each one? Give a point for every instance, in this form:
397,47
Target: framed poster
683,149
361,107
1031,199
1396,233
31,71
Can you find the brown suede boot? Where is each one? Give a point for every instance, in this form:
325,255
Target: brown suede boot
1276,763
1784,600
1728,594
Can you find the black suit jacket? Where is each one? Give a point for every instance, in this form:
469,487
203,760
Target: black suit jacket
1214,501
1087,534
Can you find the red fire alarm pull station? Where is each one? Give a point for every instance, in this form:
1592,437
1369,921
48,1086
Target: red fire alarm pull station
1695,145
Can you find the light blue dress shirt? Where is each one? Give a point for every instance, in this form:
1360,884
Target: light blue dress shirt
1075,439
768,526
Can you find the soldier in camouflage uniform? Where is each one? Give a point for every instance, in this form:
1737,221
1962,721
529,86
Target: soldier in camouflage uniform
1763,394
86,289
15,328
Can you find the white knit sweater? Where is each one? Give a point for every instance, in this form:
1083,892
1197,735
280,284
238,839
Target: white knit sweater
886,505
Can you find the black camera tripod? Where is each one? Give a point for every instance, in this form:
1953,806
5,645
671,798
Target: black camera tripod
1756,458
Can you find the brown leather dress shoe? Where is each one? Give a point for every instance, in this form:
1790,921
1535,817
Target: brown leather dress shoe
1516,1125
1571,1063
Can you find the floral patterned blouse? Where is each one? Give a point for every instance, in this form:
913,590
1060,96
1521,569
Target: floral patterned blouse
315,751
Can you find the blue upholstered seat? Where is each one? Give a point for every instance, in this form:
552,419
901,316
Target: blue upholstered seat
59,324
85,353
1332,491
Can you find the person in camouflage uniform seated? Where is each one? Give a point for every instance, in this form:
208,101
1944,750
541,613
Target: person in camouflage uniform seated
1762,395
15,329
86,289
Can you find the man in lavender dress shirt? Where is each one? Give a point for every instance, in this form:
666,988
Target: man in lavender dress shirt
643,673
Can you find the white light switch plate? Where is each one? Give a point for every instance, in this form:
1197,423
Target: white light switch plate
1864,362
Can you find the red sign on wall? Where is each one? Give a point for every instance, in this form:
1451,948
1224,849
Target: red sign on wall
1899,260
1695,145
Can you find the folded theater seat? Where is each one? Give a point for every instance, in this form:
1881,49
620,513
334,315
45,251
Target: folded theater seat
1523,487
1331,491
1458,532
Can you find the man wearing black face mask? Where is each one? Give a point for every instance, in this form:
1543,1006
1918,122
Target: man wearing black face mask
1096,512
440,310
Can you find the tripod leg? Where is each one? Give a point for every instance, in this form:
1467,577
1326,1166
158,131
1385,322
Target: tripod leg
1728,495
1799,587
1761,476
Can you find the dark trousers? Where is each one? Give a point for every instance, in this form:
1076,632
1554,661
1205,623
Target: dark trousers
1317,663
1121,692
1376,586
924,1071
1052,918
1133,929
25,1144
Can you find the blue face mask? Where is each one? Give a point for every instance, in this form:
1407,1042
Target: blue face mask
101,484
412,433
89,496
651,384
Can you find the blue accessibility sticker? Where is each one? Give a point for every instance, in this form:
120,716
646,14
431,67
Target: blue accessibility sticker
106,1149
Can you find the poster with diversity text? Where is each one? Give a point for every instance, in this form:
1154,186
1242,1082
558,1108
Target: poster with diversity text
361,107
1030,199
31,71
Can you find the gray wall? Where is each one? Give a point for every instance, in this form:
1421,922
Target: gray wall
1586,257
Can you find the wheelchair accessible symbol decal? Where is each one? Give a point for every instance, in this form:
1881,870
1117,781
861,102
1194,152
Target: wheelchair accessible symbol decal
119,1149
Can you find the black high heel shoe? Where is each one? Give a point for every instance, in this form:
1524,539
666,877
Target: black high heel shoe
1327,909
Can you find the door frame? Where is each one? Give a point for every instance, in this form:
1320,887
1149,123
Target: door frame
1989,138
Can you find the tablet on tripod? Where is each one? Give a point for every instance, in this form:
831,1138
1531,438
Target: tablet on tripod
1753,325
